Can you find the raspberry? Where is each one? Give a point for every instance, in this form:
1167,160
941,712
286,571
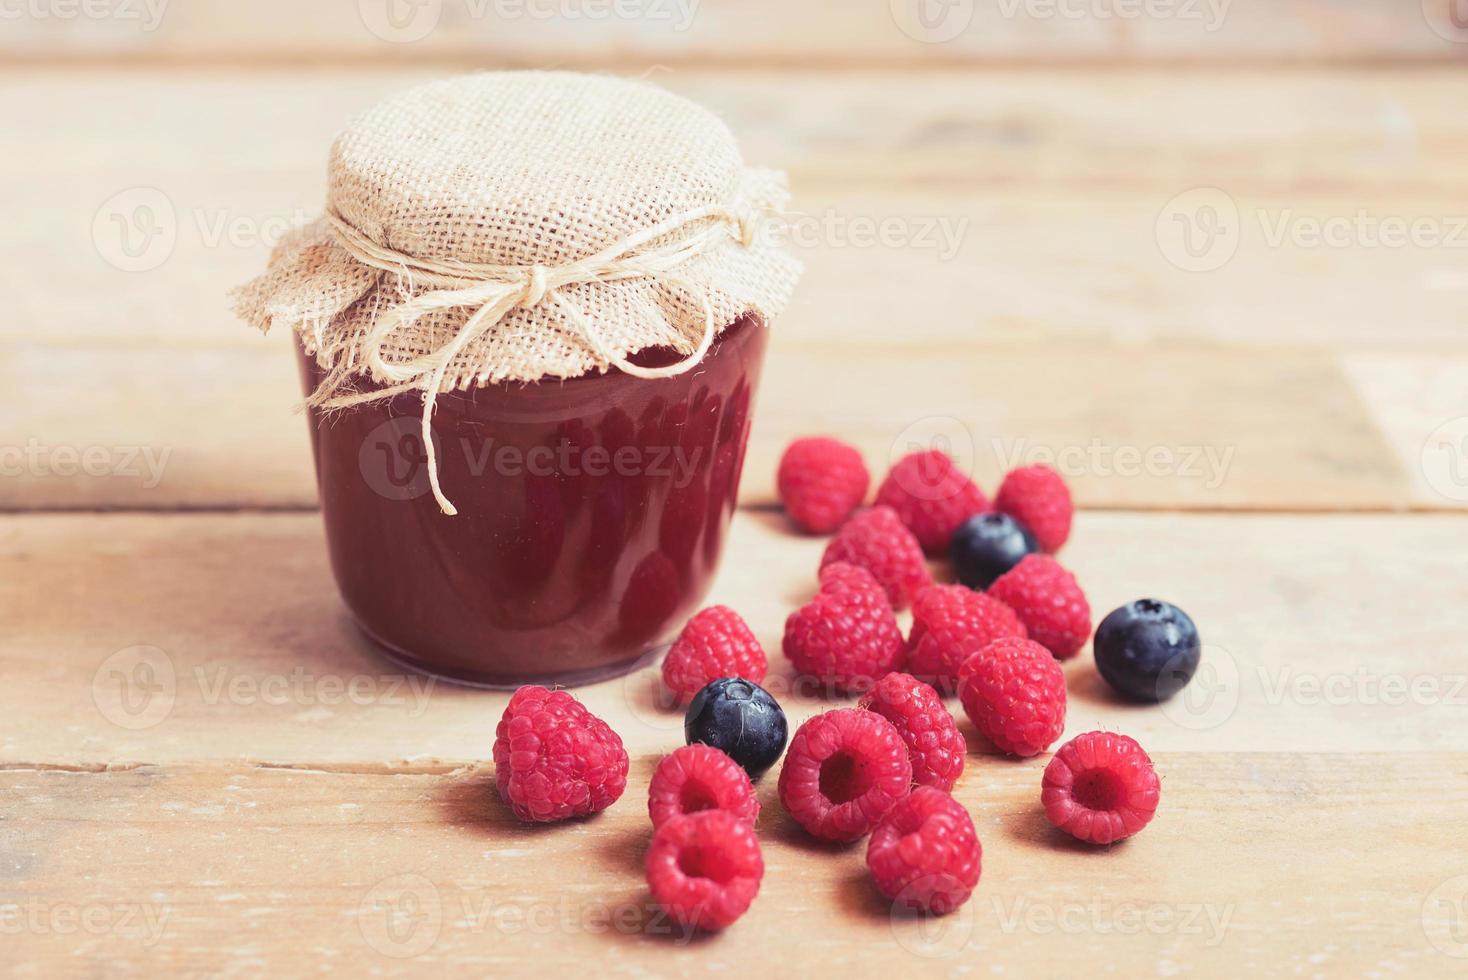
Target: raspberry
553,759
878,541
934,745
840,577
932,496
950,623
704,869
925,854
715,643
1048,601
696,778
1100,788
844,770
847,638
1014,693
821,481
1038,498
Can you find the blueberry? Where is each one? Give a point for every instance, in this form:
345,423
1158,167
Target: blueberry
986,546
1147,650
740,718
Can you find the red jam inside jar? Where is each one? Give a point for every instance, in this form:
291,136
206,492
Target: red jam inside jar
591,514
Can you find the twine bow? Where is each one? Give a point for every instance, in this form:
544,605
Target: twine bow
498,289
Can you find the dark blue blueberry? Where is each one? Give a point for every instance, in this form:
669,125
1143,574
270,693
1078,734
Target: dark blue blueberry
740,718
1147,650
986,546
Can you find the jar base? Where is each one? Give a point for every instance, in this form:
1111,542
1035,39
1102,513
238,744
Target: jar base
487,681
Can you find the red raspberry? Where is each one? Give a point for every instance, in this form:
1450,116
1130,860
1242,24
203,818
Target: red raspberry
1048,601
935,747
925,854
840,577
1038,498
1100,788
844,770
878,541
553,759
704,869
715,643
950,623
821,481
1014,693
848,638
932,496
696,778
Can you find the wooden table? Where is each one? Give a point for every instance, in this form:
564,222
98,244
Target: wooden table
206,769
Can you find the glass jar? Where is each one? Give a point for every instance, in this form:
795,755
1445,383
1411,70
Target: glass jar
591,513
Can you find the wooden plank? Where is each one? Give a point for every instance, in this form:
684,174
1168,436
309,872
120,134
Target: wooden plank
241,614
678,32
1331,864
1189,427
1016,205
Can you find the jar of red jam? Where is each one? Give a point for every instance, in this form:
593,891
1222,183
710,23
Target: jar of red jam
530,327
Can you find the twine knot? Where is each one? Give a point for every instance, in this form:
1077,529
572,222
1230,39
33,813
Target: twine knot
534,288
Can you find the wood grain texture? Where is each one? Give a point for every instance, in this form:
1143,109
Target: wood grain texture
1140,426
641,32
1255,863
254,658
1018,205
